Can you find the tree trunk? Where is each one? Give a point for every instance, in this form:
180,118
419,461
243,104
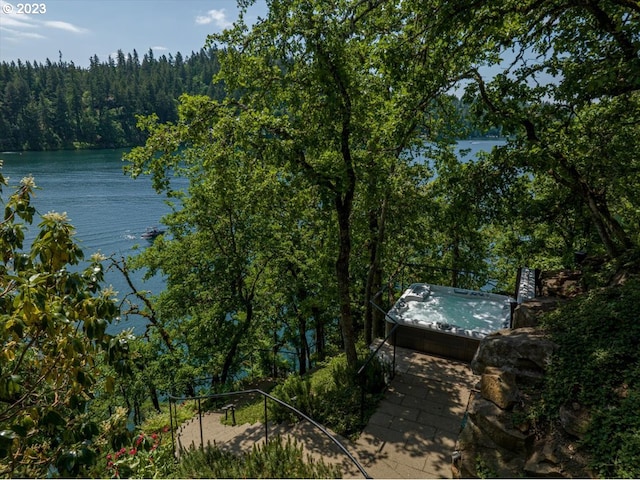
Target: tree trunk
304,347
455,261
613,236
343,208
378,315
345,188
308,348
123,392
150,314
191,391
154,398
369,286
237,337
319,327
374,275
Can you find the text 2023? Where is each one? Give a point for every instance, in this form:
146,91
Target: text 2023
31,8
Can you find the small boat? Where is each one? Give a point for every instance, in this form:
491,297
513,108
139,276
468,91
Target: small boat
151,233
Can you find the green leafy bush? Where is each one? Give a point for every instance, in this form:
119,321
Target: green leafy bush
332,395
150,456
54,345
297,392
598,366
160,421
614,438
598,351
276,459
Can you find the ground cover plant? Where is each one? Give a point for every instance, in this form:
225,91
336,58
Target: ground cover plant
147,451
276,459
597,366
330,395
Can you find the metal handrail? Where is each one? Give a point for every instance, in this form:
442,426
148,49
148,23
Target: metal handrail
424,266
173,399
373,354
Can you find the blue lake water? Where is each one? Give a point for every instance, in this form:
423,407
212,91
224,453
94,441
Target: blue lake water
109,210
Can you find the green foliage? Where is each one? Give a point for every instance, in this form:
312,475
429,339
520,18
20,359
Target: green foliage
276,459
613,438
571,115
148,456
61,106
160,421
482,469
233,228
598,365
332,395
53,317
295,176
341,405
313,172
598,353
297,392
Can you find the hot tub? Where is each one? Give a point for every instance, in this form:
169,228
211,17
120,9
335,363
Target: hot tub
447,321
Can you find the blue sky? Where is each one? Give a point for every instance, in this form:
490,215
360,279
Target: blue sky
83,28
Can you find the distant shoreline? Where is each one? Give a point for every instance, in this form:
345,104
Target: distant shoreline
124,147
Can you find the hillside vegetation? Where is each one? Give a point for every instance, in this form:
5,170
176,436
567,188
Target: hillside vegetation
597,368
319,148
58,105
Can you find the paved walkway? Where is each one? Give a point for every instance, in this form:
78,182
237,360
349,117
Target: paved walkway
412,434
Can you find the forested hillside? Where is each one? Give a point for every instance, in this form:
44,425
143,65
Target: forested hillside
53,106
48,106
320,149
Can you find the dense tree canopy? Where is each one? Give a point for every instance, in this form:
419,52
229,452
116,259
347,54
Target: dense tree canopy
569,99
61,106
320,148
341,98
311,97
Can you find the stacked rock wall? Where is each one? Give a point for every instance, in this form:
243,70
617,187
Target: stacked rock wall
497,439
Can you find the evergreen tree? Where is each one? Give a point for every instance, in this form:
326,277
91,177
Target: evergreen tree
58,105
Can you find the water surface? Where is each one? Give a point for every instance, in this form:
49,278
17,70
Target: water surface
108,209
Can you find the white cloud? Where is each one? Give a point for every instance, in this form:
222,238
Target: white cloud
17,27
159,47
217,17
13,21
69,27
9,17
15,35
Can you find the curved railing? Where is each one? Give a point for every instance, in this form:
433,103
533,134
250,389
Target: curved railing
173,410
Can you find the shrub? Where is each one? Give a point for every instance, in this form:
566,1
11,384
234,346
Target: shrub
330,396
341,405
150,456
276,459
598,366
614,439
598,351
297,392
160,421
